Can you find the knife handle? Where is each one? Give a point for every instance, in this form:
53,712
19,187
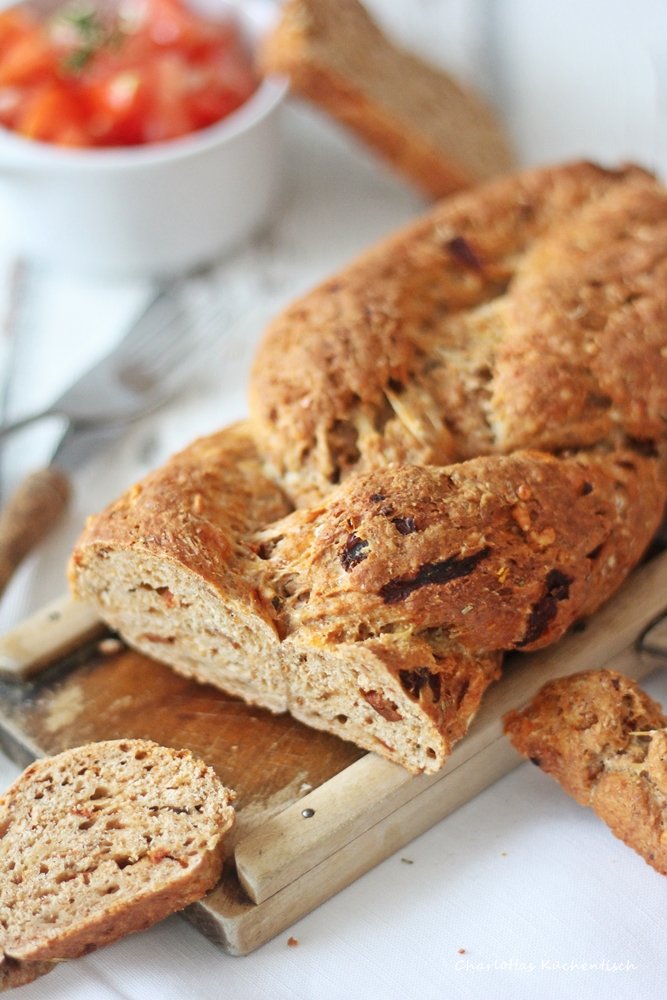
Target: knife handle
31,513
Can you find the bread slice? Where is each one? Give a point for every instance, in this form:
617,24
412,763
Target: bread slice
439,135
380,613
605,742
102,840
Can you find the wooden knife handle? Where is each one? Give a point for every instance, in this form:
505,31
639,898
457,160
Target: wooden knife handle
31,513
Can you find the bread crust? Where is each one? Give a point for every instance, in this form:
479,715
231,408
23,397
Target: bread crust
14,973
391,599
529,313
439,135
499,553
196,510
226,623
605,742
100,841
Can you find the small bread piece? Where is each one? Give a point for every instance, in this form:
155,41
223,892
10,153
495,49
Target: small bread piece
102,840
529,313
438,134
380,613
604,740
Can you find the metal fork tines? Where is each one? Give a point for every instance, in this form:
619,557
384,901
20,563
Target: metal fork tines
157,357
653,640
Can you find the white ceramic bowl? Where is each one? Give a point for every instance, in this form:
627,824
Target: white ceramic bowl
147,210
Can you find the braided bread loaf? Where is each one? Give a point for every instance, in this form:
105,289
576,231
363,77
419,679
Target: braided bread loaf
365,548
527,313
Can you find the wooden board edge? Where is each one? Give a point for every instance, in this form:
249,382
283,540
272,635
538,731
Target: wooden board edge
16,745
52,632
273,855
240,926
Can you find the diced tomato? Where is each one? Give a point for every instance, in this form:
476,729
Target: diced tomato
161,74
12,100
168,116
169,23
28,58
51,115
234,73
210,105
14,23
116,108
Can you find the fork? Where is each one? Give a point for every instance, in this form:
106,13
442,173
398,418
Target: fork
160,352
153,361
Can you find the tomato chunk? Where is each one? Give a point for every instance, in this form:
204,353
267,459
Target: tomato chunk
50,114
152,72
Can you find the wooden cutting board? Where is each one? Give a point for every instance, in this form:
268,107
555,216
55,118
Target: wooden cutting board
314,812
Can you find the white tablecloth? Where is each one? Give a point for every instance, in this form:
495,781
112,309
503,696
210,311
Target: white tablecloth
520,892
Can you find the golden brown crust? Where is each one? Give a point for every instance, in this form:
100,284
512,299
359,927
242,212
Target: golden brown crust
586,351
494,553
149,546
195,510
400,590
604,740
529,313
100,841
13,973
437,134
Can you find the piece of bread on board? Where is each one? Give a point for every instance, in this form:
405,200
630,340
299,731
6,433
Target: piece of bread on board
363,550
379,614
102,840
605,742
439,135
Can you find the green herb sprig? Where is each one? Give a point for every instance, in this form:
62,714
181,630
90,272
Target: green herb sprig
93,33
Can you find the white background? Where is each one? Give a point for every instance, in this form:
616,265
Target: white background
534,888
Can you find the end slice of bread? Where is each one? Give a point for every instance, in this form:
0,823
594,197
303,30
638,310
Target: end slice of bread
438,134
102,840
605,742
